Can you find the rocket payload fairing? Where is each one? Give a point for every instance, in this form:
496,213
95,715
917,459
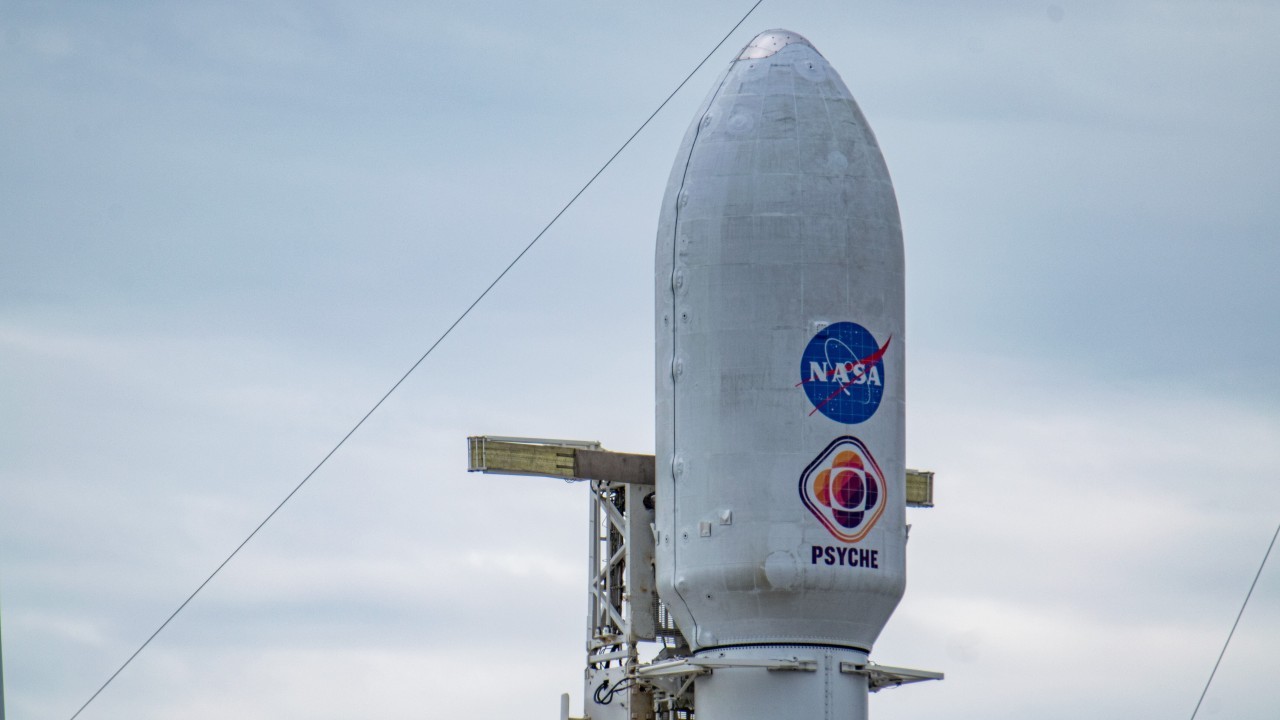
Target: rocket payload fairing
780,521
776,534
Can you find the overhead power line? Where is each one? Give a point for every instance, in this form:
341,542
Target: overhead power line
1236,624
420,360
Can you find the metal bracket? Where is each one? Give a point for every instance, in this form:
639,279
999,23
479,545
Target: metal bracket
794,664
880,677
704,666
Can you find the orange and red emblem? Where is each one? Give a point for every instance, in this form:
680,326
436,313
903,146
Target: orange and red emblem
844,488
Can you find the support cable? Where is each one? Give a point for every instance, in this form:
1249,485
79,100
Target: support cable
1236,623
420,360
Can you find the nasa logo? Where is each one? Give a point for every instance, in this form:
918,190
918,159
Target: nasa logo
844,488
842,372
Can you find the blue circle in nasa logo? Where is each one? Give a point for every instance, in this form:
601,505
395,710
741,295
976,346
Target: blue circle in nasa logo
842,372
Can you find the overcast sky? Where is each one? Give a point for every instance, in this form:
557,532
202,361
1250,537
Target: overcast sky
226,229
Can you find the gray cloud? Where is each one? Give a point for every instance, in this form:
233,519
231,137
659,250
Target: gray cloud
225,231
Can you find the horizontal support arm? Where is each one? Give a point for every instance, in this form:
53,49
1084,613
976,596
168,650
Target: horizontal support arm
557,458
582,460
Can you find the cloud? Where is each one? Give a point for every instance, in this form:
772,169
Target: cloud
228,231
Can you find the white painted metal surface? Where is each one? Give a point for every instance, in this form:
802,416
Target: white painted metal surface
750,682
780,418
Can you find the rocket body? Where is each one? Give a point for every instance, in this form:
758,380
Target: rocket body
780,389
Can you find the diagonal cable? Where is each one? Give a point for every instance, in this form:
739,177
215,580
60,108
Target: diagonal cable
424,356
1237,622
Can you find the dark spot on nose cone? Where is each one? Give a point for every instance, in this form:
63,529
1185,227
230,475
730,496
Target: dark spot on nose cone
771,41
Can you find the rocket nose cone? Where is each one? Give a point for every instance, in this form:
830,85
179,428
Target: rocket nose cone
771,41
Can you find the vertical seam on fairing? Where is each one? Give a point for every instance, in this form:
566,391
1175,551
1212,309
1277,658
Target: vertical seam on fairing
675,323
799,183
831,132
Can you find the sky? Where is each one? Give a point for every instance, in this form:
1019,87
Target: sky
226,229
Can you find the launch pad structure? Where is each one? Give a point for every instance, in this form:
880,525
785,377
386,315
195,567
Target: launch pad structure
623,608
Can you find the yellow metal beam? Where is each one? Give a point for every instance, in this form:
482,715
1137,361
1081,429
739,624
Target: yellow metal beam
517,458
557,458
919,488
586,461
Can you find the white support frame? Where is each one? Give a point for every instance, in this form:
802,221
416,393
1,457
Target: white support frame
610,639
620,596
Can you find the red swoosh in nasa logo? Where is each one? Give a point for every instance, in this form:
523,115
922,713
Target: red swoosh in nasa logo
871,359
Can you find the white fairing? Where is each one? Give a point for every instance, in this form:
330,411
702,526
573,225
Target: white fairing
779,225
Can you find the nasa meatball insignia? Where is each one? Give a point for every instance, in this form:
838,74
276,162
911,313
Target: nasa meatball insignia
842,372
